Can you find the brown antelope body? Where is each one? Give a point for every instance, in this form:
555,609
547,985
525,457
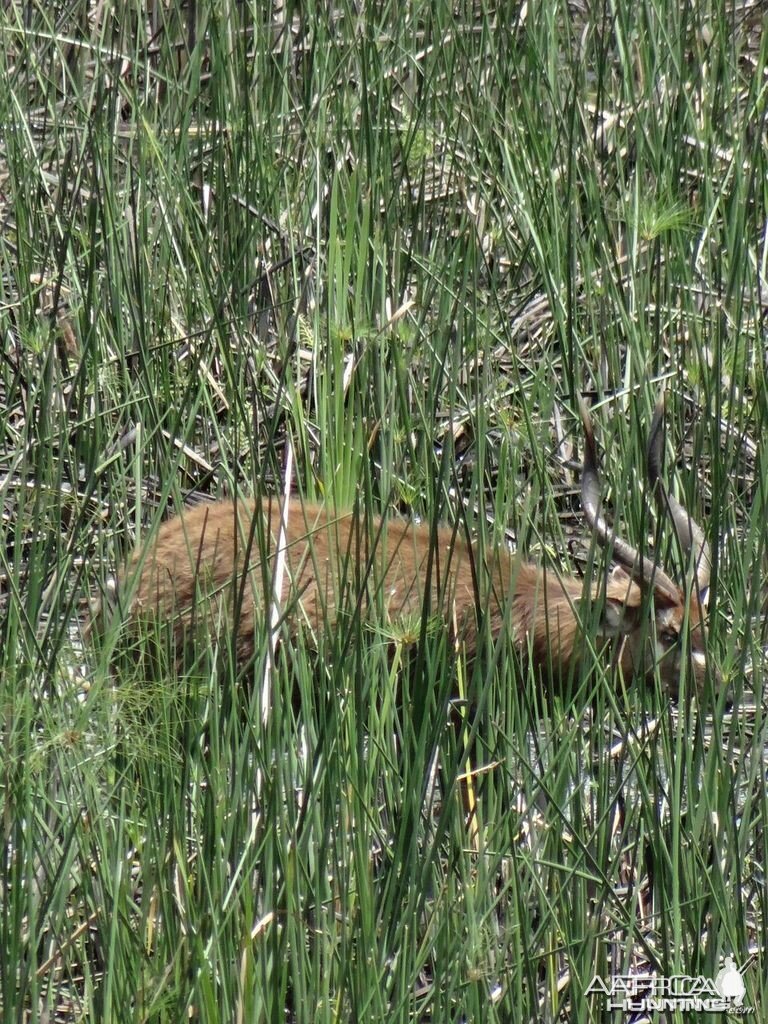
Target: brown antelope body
217,564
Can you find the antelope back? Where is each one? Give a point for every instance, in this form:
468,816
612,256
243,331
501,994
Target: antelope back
217,564
214,568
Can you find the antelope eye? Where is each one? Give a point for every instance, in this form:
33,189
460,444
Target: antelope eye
668,637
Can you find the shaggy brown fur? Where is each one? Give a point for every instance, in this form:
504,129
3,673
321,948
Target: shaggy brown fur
194,573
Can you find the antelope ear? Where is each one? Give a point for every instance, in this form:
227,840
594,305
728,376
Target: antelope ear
622,602
619,577
618,618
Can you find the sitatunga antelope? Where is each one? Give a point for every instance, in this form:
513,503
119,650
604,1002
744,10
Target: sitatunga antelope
215,566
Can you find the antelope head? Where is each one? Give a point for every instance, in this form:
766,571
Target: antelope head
674,639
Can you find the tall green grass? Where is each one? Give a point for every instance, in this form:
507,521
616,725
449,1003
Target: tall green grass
401,242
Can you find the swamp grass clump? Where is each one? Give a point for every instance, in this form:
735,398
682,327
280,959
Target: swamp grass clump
395,245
